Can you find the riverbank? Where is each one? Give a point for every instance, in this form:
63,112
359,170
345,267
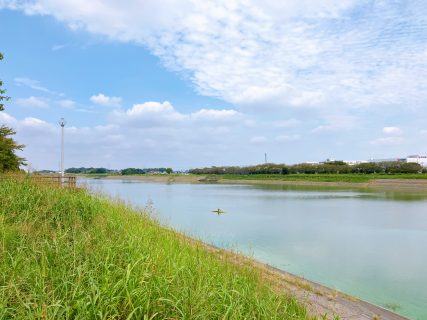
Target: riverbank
390,183
320,301
67,253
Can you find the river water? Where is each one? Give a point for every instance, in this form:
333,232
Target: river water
372,245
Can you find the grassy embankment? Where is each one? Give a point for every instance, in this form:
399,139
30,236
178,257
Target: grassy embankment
66,254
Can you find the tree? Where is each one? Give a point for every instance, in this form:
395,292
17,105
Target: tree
9,161
3,97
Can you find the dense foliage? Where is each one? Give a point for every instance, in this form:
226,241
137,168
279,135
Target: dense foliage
90,170
9,161
127,171
67,255
336,167
131,171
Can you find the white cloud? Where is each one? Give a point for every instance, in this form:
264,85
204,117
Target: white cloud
171,137
106,101
258,140
392,131
157,134
212,114
337,123
388,141
35,85
271,53
289,123
309,98
32,102
333,56
155,113
149,114
35,123
423,132
58,47
66,103
7,119
286,138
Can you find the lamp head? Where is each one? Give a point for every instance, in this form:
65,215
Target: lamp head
62,122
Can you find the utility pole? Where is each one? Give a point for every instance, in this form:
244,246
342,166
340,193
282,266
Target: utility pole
265,157
62,123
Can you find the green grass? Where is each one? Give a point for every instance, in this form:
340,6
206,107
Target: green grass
322,177
65,254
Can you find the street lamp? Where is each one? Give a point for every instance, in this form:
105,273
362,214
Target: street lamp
62,123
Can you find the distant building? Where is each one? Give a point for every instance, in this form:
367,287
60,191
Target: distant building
422,160
354,162
388,160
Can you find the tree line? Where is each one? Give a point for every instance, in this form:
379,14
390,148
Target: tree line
90,170
336,167
127,171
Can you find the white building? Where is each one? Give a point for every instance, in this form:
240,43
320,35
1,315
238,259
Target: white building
355,162
422,160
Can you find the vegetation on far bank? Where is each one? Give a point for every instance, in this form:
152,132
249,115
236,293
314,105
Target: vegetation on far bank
351,177
65,254
334,167
343,177
127,171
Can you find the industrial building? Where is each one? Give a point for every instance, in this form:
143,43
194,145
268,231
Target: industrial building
422,160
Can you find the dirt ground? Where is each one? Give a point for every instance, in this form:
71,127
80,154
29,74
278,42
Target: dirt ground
391,184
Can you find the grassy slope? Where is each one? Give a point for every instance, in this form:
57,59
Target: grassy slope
322,177
65,254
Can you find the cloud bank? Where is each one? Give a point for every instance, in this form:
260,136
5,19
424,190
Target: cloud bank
147,134
290,54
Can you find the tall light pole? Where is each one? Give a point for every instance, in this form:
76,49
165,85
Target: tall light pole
62,123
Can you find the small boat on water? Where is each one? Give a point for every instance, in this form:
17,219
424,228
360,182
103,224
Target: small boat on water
218,211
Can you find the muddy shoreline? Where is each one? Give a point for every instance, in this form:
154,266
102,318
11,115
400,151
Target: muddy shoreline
375,184
318,299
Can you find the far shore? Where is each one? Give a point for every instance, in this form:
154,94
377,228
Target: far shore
382,184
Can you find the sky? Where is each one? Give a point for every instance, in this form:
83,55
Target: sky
184,84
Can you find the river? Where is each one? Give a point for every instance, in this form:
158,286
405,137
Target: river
372,245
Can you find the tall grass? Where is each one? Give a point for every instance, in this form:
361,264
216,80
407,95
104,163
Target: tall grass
65,254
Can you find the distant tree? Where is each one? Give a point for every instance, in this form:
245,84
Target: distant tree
9,161
130,171
336,162
285,170
169,170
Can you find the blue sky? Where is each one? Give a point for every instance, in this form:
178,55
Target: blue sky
188,84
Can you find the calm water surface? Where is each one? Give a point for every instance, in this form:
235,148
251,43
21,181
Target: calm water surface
371,245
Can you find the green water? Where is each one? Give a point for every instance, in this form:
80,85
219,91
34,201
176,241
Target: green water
372,245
